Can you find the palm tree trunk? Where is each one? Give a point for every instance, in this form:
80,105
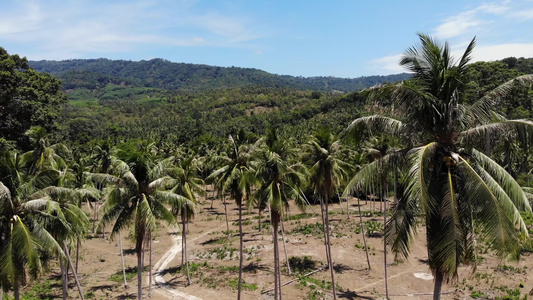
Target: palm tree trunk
347,208
385,246
78,246
395,188
73,271
139,273
363,231
439,277
260,225
122,260
64,280
240,254
94,218
277,288
322,212
150,263
328,246
284,246
185,262
16,292
488,148
225,213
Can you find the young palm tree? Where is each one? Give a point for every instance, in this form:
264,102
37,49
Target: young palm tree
235,177
327,174
279,181
134,199
459,190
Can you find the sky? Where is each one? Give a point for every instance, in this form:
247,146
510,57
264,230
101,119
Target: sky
341,38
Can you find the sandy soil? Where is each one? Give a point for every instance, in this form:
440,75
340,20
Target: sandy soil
214,262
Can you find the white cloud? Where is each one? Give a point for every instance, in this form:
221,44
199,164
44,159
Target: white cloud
470,20
523,14
457,25
390,64
71,29
387,64
496,52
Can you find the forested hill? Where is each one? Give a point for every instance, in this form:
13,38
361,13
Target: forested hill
163,74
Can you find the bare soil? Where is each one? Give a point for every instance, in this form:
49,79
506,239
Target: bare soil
214,260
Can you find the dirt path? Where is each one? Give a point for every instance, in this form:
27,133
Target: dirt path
162,264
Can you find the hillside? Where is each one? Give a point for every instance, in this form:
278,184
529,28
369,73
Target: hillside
163,74
124,100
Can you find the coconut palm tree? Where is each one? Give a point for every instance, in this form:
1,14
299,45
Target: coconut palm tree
64,219
279,181
236,177
459,190
133,199
25,244
326,175
184,182
384,156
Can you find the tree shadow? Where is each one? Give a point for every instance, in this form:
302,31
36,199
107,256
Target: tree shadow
130,251
213,240
254,267
340,268
352,296
176,282
172,270
102,287
127,296
424,261
215,212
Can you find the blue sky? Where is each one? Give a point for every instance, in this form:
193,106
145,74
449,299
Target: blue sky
342,38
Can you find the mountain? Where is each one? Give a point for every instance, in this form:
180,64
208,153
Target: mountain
162,74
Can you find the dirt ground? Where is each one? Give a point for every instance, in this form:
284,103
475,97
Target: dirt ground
214,260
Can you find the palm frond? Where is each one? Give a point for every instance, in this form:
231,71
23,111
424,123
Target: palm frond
491,214
373,124
417,187
504,179
483,108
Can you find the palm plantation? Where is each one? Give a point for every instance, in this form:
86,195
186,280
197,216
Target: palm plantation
438,144
459,190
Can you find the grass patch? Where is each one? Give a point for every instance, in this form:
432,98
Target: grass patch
315,229
131,272
234,284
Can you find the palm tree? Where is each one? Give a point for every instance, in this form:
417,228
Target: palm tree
65,220
184,183
459,190
236,177
134,199
384,157
279,181
327,174
25,244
